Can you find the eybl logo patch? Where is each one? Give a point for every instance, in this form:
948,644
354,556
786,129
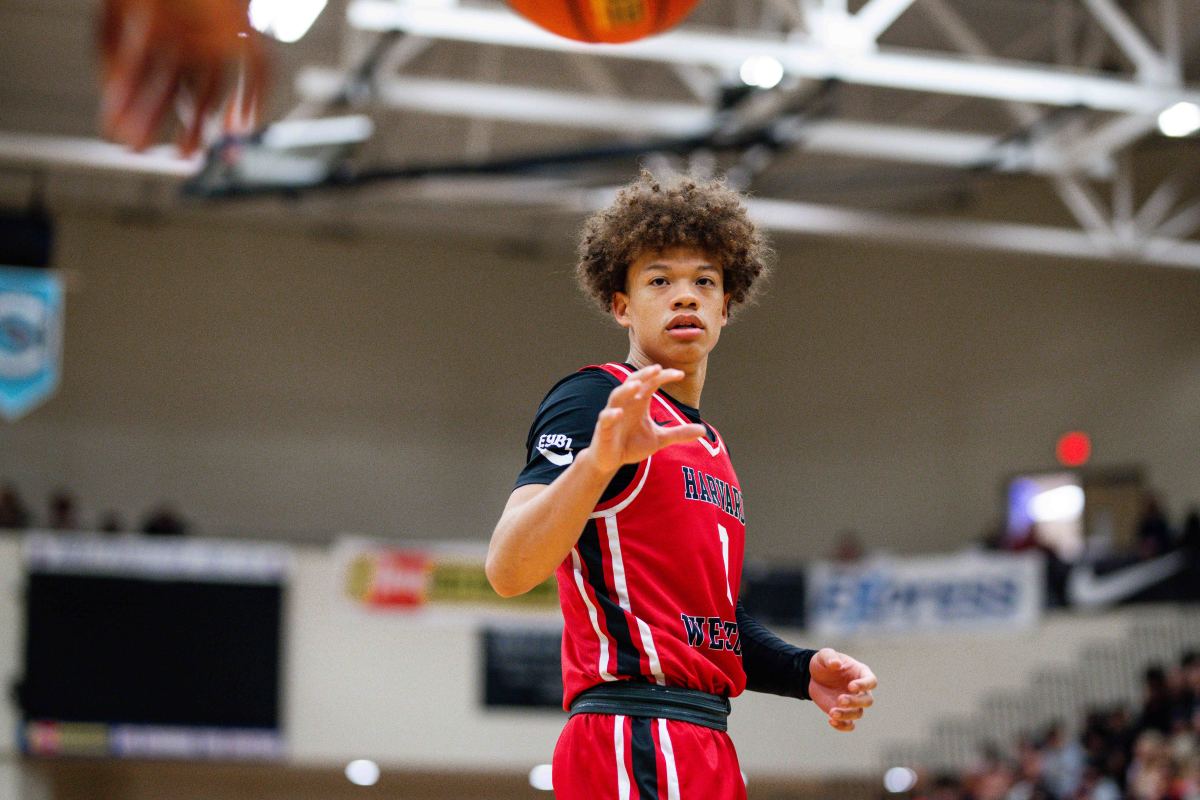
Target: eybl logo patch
549,443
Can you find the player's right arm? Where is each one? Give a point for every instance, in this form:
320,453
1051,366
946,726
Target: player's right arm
541,522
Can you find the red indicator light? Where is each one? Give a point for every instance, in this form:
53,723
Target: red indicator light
1074,449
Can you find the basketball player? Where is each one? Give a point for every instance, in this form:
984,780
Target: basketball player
630,499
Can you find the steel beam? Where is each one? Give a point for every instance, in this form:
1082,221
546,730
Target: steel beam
92,154
858,224
1007,237
915,71
958,149
779,215
1097,146
520,104
1150,65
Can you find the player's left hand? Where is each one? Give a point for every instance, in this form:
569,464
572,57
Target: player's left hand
841,687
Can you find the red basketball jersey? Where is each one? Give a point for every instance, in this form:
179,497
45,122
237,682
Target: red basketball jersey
648,593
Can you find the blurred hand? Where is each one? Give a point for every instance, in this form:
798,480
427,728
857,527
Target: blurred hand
186,55
841,687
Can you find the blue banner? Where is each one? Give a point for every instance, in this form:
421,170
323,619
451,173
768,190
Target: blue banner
31,320
968,591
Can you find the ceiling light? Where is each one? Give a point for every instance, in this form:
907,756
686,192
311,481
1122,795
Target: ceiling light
285,20
764,72
540,778
899,779
1181,119
362,772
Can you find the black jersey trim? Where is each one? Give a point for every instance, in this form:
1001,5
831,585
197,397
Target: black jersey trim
645,762
629,658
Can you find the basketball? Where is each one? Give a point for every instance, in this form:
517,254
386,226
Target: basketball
610,21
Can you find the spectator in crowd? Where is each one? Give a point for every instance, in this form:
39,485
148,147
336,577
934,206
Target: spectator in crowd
1097,785
13,514
1062,761
945,787
1190,537
1186,785
1153,531
848,549
110,522
164,521
1149,773
1030,784
1153,756
1156,701
993,778
1189,694
63,514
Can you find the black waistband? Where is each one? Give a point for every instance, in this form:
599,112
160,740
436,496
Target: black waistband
651,700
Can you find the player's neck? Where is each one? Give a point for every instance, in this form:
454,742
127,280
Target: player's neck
687,390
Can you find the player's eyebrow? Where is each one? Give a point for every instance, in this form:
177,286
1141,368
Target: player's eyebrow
664,267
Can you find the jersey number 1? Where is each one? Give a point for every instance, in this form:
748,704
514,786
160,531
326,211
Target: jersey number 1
724,534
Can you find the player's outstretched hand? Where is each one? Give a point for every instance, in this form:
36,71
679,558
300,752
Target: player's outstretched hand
625,433
181,56
841,687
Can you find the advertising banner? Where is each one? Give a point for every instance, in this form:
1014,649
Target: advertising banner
435,575
31,316
968,591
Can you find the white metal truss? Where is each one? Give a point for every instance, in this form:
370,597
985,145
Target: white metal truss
40,151
1104,112
843,52
828,42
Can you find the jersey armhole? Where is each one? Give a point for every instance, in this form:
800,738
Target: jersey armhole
626,495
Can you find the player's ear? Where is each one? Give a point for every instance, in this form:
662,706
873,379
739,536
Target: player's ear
620,309
725,309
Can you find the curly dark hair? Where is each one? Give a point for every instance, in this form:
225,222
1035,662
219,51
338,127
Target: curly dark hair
651,214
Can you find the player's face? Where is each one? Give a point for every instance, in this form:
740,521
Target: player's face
674,306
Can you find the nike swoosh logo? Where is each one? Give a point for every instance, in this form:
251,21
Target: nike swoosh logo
1085,588
557,459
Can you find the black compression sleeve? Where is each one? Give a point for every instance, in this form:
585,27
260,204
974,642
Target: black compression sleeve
772,665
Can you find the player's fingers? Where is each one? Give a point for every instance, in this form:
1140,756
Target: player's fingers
864,683
846,713
205,93
626,396
144,123
647,371
829,658
132,62
666,376
639,395
241,116
860,700
845,726
610,416
679,433
146,90
622,393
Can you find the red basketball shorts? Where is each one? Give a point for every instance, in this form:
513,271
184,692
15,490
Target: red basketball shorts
603,757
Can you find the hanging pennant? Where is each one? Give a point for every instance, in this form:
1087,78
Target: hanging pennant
31,319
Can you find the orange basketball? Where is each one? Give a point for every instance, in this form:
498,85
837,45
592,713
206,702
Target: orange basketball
611,21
